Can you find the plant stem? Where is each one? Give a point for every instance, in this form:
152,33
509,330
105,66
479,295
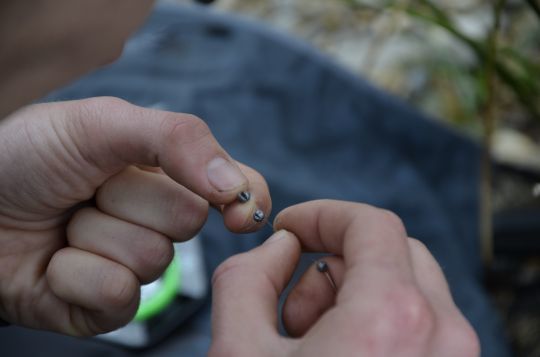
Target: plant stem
527,97
534,6
488,120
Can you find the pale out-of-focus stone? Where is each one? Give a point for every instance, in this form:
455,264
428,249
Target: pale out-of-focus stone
512,147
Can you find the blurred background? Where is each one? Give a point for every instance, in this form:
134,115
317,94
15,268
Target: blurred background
474,65
465,178
433,54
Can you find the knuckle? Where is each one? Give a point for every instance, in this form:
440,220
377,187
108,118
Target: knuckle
391,220
157,256
90,111
119,288
185,129
88,120
415,313
403,315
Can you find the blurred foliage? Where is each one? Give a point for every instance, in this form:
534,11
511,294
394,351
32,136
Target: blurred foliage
432,53
460,86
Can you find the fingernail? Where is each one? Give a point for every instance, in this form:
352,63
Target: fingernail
276,236
276,221
224,175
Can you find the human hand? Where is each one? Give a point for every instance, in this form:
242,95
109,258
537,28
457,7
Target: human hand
392,298
81,227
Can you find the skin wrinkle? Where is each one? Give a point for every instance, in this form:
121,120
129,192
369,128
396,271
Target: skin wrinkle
163,128
79,128
92,327
12,219
87,126
191,161
74,153
108,110
10,161
72,319
132,144
47,314
32,195
35,299
75,182
32,224
156,147
23,298
76,315
192,129
43,176
34,190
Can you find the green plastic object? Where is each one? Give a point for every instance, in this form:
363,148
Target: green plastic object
165,295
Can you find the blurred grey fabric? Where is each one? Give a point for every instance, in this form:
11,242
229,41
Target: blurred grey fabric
314,131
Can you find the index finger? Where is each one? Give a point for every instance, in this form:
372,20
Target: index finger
372,241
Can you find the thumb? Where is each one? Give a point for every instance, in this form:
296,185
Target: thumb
118,133
98,137
246,289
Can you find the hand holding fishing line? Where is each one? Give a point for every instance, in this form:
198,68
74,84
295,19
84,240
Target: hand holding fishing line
95,193
392,298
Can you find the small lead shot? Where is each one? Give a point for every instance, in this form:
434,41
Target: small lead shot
258,216
244,196
322,267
